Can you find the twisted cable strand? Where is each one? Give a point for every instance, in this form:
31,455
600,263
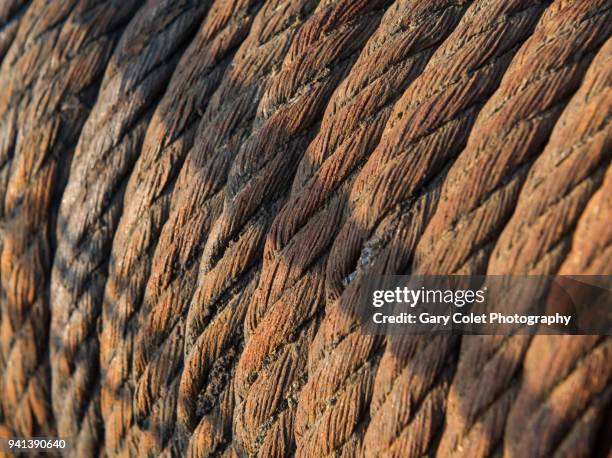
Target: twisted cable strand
408,401
261,175
562,398
91,206
481,189
591,254
429,123
148,199
10,15
484,386
11,12
578,152
341,358
591,245
569,375
158,352
208,351
62,49
351,128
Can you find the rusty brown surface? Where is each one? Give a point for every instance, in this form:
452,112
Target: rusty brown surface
193,191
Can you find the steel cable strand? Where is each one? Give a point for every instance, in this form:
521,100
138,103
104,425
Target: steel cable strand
485,384
299,75
481,189
475,55
350,129
332,411
563,178
210,408
409,396
17,75
212,359
287,363
25,64
11,12
346,148
562,395
158,354
539,246
158,341
572,374
431,122
147,202
10,15
320,56
565,388
196,200
109,144
567,380
393,57
408,400
591,246
38,31
591,253
51,73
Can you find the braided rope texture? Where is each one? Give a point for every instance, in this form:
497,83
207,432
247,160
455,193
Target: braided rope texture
192,193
